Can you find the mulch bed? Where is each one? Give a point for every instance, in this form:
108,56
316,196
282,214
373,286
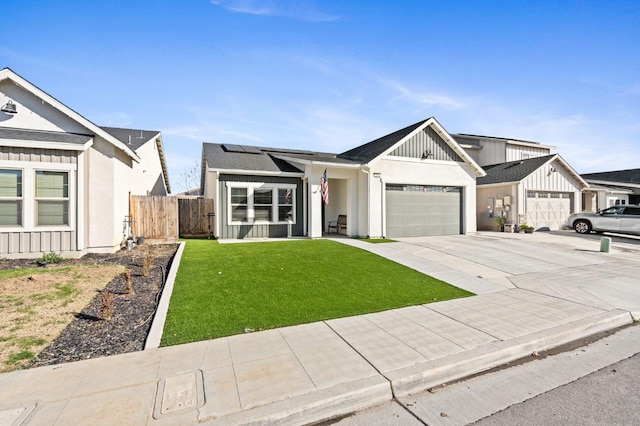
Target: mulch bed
88,335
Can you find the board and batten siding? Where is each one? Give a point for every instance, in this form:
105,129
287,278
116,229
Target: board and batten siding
37,242
518,152
554,181
34,241
426,144
8,153
258,230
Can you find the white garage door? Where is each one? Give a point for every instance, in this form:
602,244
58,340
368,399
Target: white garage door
419,210
548,209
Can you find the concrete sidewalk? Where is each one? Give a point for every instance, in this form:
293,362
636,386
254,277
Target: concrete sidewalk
307,373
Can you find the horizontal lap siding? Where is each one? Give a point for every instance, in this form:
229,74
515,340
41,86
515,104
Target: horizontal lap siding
258,231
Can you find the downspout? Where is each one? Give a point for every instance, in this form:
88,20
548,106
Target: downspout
305,206
364,169
383,209
216,222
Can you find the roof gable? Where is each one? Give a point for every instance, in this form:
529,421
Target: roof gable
515,171
426,144
446,146
371,150
10,75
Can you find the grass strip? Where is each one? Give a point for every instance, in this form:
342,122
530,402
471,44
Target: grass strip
225,289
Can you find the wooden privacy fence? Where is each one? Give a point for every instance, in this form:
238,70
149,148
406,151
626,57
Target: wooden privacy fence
196,216
163,218
154,217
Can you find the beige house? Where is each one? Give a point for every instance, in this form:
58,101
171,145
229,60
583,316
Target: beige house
524,183
64,181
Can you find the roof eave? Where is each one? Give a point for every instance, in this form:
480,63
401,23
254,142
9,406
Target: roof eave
254,172
8,74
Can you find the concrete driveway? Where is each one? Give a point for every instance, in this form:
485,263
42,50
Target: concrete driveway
561,264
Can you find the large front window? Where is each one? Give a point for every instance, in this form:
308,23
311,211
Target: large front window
261,203
52,198
10,197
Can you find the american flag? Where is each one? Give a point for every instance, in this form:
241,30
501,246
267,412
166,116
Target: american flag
324,187
287,196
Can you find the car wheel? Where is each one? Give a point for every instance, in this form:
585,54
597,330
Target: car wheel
582,227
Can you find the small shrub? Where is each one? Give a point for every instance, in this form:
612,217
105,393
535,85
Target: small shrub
48,258
128,281
146,265
108,305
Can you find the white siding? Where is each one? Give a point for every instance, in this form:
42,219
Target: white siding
521,152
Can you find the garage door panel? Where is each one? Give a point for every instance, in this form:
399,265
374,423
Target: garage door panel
422,210
548,209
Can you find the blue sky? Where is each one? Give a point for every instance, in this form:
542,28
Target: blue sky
331,75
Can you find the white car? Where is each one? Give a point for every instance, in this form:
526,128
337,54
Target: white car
623,219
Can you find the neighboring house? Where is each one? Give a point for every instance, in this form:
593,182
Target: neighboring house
611,189
541,192
64,181
486,150
413,182
525,182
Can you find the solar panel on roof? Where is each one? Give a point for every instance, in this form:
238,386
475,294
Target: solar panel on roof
232,148
251,149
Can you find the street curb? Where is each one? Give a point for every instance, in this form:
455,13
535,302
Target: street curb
426,375
157,326
313,407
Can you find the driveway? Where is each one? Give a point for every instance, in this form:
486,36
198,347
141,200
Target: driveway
560,264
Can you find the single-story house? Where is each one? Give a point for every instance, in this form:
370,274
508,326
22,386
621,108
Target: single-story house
613,188
540,191
64,181
413,182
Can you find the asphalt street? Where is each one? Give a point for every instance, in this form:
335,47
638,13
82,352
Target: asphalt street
607,397
591,384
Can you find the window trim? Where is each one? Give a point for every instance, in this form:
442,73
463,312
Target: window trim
36,199
19,199
29,210
251,187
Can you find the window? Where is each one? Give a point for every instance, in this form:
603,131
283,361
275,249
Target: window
10,197
52,198
263,204
285,204
239,204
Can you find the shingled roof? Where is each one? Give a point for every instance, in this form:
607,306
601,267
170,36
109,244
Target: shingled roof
44,136
134,138
618,176
243,157
369,151
513,171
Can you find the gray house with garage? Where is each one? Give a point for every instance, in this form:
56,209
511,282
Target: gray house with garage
415,181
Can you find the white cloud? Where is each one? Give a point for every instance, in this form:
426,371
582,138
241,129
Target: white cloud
423,98
304,10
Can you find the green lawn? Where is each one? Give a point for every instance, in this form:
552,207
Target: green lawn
223,289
